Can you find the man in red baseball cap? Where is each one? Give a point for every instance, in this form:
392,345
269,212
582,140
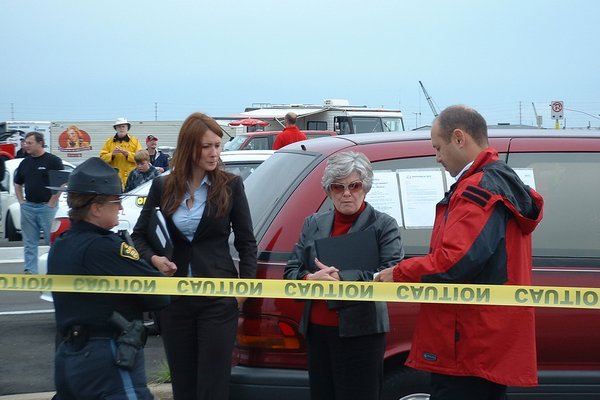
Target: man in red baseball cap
158,159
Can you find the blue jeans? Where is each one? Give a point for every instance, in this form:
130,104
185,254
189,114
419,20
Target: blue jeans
35,217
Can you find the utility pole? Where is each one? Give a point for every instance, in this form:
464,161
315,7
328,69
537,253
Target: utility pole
12,111
520,114
417,115
155,111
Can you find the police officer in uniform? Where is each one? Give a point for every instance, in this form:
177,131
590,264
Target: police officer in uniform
93,361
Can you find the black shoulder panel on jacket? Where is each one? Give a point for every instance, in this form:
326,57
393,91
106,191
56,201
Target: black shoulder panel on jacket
499,178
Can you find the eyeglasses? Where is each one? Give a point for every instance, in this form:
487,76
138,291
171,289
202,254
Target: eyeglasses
340,188
120,200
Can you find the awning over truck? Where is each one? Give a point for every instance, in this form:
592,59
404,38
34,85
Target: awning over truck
279,113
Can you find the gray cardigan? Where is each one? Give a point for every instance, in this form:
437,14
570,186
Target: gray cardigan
355,318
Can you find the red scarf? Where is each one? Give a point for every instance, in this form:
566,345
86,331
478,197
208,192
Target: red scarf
320,314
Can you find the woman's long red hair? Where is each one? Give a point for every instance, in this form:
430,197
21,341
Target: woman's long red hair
188,151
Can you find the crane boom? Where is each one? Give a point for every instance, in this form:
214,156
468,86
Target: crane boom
431,105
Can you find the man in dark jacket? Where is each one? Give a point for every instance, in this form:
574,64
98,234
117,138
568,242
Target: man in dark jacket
481,235
158,159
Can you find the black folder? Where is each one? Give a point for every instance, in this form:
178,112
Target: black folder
158,234
356,250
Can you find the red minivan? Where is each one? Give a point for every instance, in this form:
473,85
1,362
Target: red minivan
564,166
263,140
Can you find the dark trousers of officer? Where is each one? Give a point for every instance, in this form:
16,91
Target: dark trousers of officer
344,367
448,387
199,334
89,372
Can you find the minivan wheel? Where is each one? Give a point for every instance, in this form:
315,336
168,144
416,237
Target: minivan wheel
11,231
405,383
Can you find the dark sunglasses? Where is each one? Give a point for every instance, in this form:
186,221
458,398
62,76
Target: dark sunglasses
340,188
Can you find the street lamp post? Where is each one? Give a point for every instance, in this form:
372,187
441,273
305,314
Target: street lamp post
582,112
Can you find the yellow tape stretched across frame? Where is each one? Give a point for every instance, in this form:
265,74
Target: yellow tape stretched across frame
534,296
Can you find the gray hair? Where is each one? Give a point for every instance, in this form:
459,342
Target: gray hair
342,165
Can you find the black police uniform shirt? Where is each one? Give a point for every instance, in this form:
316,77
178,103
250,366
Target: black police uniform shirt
87,249
33,173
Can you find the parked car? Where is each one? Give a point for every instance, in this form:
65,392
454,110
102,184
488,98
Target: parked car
564,166
11,210
263,140
242,163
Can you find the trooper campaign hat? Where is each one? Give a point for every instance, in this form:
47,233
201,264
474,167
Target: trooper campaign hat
93,176
121,121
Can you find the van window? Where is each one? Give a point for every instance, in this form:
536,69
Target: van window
570,185
266,192
392,124
236,142
316,125
367,124
415,241
259,143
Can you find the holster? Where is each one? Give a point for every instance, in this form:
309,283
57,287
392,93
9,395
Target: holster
131,340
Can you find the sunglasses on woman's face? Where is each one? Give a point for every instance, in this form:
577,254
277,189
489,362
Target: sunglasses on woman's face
119,201
340,188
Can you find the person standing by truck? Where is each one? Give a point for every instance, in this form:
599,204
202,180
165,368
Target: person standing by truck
143,172
290,134
21,153
101,353
202,205
158,159
119,150
38,204
482,236
345,341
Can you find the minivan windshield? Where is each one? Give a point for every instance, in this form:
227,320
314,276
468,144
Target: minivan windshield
235,143
273,182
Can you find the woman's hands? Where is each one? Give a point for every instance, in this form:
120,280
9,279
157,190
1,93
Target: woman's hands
324,273
164,265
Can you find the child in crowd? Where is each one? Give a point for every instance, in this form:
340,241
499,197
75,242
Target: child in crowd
143,172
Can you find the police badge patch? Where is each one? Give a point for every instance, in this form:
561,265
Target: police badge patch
130,252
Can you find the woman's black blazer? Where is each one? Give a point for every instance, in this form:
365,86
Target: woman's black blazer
208,253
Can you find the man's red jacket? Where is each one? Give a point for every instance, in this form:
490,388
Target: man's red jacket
481,235
289,135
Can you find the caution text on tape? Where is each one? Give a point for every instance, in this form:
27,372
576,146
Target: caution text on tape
535,296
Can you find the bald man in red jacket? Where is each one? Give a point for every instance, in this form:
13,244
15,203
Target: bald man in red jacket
290,134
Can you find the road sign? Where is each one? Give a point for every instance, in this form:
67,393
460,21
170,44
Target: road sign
557,108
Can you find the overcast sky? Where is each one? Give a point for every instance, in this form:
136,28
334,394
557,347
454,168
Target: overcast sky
99,60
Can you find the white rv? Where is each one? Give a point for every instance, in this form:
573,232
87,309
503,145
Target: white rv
333,115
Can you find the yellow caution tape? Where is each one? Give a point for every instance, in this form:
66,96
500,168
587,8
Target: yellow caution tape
509,295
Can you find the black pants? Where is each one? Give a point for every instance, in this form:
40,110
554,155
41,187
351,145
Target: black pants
199,334
344,368
448,387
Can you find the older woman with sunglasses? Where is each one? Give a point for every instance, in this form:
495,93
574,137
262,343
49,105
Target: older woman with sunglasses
346,340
